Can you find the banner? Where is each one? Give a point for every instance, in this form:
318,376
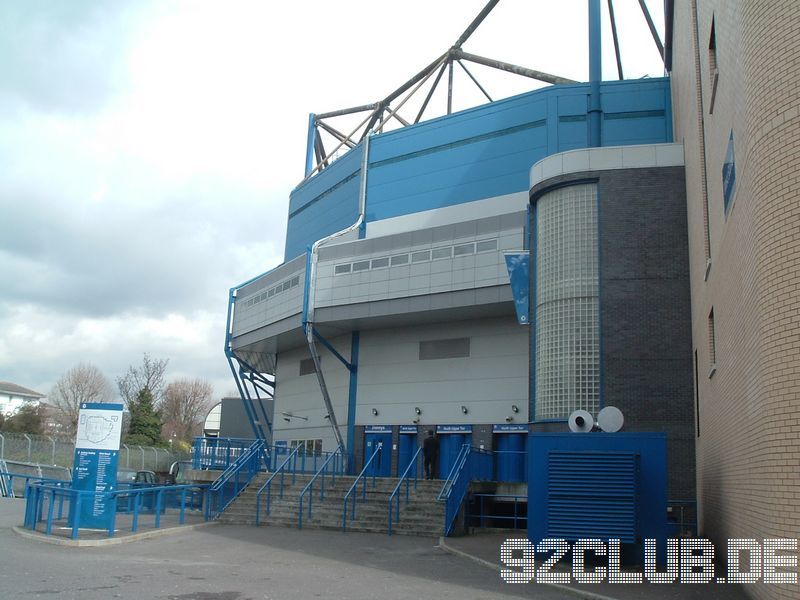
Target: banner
518,265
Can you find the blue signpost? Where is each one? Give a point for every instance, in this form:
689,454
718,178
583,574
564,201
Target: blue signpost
95,463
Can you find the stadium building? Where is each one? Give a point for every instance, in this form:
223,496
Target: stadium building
393,311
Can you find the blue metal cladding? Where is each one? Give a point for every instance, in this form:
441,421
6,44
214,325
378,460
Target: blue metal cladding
325,204
382,465
449,446
405,451
509,451
580,486
479,153
592,494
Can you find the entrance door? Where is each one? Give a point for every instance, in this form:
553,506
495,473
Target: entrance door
382,465
449,446
405,452
510,453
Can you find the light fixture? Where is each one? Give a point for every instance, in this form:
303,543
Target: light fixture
374,412
415,421
418,410
509,418
289,416
515,408
464,409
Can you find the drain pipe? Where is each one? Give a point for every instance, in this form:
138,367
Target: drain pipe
310,291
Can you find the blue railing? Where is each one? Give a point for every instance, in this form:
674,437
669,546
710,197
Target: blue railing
335,464
55,497
519,518
289,465
235,478
470,465
350,493
217,453
414,467
7,482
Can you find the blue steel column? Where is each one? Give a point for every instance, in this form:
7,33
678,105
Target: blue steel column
351,400
310,142
595,75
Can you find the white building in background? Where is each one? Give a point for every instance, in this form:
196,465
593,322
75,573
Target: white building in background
13,396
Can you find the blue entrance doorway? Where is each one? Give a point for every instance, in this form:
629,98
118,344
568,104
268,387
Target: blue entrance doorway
407,447
378,437
451,439
510,453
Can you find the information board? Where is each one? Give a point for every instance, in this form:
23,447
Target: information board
95,463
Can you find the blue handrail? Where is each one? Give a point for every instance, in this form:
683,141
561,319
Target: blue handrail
248,463
37,492
471,464
404,478
338,466
7,481
353,487
268,483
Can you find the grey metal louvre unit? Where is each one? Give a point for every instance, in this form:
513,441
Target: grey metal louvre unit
592,495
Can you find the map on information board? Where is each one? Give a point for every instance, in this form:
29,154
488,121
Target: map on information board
99,429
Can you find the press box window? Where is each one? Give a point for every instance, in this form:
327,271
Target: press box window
421,256
380,263
487,245
400,259
436,349
307,366
341,269
439,253
362,265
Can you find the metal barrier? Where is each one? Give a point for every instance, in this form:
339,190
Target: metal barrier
404,478
353,487
47,450
337,461
39,494
516,518
470,465
217,453
281,470
230,484
8,478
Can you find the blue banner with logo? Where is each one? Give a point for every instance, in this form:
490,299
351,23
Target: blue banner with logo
95,463
518,265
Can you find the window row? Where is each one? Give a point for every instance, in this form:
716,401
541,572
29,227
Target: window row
444,252
281,287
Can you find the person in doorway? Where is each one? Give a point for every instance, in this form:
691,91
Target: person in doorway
430,451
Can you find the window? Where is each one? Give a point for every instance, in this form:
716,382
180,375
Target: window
380,263
436,349
295,280
567,356
421,256
439,253
712,345
362,265
729,175
307,447
341,269
464,249
712,66
400,259
307,366
487,245
696,396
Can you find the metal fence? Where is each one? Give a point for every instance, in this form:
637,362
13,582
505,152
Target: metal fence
48,450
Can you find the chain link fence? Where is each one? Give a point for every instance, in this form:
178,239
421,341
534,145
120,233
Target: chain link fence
55,451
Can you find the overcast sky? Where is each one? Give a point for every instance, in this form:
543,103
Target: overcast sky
148,148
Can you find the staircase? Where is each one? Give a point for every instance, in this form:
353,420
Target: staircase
423,515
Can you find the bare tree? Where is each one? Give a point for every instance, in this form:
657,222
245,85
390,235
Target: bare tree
150,375
185,403
82,383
